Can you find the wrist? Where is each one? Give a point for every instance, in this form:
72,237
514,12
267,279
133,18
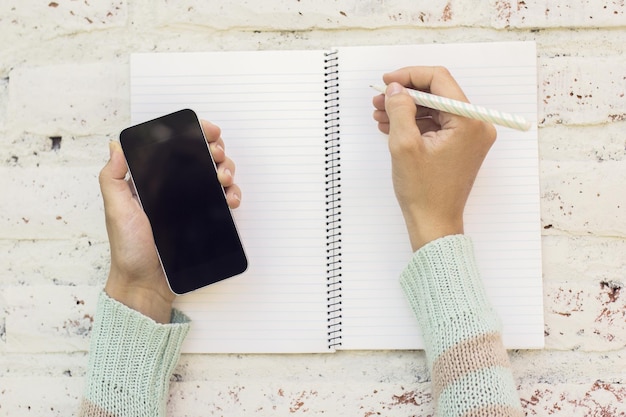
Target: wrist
142,299
422,232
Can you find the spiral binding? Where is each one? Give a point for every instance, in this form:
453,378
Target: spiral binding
333,199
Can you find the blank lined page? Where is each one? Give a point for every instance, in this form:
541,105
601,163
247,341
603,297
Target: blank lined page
502,214
269,106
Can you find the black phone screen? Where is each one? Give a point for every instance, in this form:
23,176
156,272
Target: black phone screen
176,182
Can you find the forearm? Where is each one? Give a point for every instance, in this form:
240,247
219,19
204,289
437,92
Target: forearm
130,362
469,366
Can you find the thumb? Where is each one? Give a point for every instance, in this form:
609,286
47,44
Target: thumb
401,110
112,175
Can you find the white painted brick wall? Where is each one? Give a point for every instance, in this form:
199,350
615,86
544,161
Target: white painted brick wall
64,98
558,14
64,72
573,92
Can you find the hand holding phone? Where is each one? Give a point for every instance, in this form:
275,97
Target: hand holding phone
178,187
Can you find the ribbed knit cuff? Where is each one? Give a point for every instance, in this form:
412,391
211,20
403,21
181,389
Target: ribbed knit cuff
446,293
131,360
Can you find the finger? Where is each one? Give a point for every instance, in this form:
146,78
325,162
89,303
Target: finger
436,80
379,102
217,151
384,127
226,172
402,112
211,132
233,196
381,116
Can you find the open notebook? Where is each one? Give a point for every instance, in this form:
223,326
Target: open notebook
324,235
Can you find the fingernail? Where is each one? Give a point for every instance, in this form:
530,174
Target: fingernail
393,89
232,198
111,144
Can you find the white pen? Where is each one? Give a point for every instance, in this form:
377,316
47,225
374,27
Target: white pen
461,108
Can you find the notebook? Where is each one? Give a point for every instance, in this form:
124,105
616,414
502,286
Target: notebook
322,230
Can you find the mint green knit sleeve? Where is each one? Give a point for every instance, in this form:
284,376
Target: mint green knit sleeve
131,360
470,369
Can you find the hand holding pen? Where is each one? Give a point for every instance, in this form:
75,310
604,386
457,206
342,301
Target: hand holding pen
435,155
464,109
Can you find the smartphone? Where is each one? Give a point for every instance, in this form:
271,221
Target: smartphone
175,177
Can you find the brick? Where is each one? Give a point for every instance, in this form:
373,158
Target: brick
567,367
287,15
599,143
348,366
70,99
42,152
586,316
571,92
573,194
286,397
73,262
592,399
53,203
49,318
374,383
32,20
56,396
585,299
21,365
558,13
583,259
